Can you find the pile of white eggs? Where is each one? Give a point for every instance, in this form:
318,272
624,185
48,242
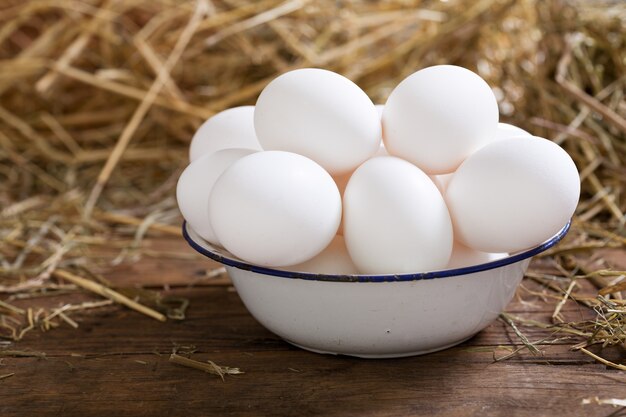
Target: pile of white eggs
316,178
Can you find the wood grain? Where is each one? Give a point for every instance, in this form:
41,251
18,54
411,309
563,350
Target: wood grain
116,363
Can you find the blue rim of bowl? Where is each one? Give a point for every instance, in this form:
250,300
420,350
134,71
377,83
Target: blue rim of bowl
377,278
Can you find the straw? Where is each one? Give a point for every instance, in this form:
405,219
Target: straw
99,100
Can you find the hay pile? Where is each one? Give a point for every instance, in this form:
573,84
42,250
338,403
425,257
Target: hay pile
99,99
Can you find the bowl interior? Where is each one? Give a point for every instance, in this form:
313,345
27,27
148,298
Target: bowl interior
223,256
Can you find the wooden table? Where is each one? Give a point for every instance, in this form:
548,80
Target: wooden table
116,363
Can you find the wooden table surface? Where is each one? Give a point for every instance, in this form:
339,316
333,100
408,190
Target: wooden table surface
116,363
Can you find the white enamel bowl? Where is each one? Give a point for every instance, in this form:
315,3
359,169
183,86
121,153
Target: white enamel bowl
375,316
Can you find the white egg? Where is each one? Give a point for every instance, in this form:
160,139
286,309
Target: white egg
232,128
332,260
513,194
438,116
321,115
342,182
395,219
275,208
435,179
462,256
442,181
195,185
381,150
506,131
379,109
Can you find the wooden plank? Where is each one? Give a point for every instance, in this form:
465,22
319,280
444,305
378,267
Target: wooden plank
168,262
216,319
116,363
294,382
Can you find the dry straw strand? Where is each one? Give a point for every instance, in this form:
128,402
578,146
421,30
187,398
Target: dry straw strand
145,105
108,293
99,99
